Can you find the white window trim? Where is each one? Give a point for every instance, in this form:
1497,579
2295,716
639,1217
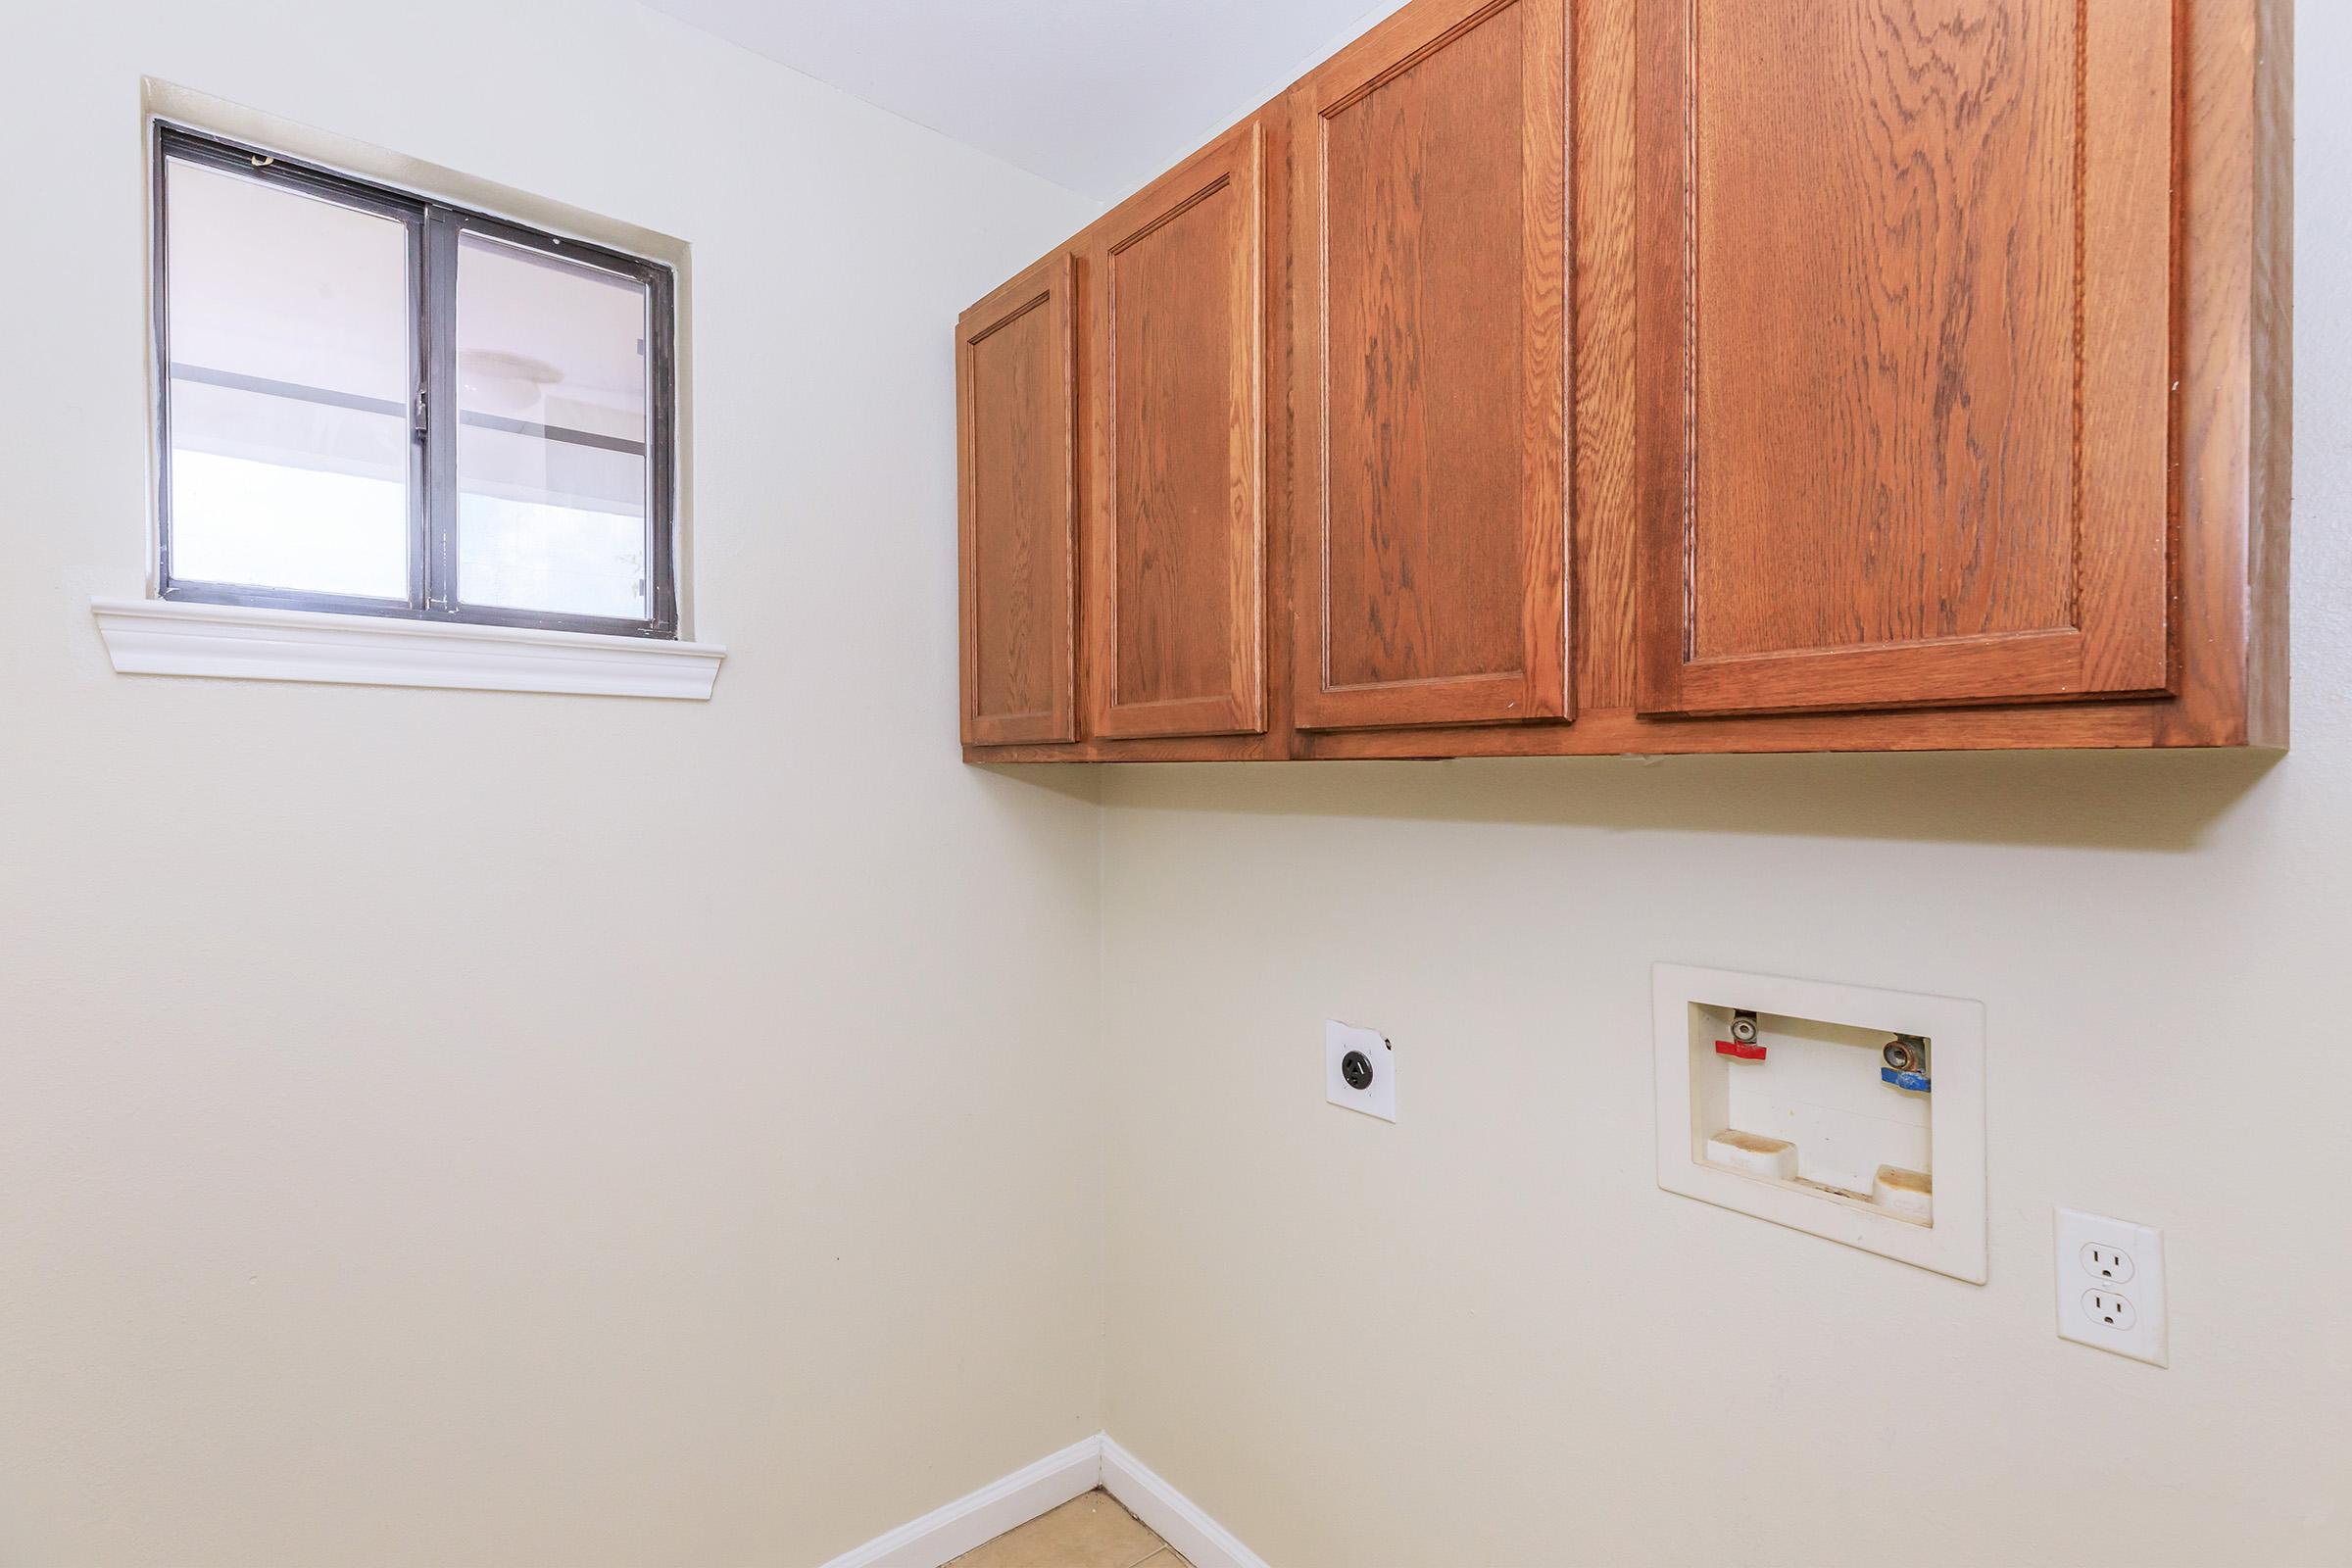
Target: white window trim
173,637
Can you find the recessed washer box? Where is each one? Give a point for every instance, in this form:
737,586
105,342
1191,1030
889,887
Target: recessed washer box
1853,1113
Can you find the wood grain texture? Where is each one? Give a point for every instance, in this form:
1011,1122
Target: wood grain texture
1430,524
1904,425
1623,732
2269,81
1017,524
1176,549
2237,400
1604,545
2233,333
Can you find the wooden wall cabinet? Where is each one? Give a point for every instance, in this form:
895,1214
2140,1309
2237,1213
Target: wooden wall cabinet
1667,375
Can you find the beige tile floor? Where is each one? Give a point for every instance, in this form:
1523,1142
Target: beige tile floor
1090,1531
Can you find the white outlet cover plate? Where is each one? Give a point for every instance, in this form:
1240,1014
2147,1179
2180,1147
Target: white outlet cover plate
1377,1097
1954,1244
2139,1331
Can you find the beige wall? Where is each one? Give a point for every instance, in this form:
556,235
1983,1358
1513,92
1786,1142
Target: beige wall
456,1128
475,1129
1484,1337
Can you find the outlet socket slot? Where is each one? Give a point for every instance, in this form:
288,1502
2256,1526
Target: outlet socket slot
2109,1264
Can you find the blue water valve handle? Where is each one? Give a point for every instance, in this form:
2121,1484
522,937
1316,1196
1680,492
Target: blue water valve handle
1916,1082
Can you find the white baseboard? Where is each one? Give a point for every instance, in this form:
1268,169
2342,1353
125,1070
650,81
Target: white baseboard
948,1533
1177,1520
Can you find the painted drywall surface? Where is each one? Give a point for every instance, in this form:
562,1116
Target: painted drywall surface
1022,79
481,1129
1484,1336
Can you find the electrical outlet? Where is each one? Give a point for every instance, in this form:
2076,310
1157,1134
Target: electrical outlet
1359,1070
2111,1286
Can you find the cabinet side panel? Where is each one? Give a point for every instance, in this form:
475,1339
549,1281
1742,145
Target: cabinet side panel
2238,334
2272,324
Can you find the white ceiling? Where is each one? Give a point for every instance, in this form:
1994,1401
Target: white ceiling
1096,95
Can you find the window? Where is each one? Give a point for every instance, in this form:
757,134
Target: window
381,404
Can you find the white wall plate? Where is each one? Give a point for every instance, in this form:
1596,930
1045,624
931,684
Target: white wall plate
1688,1004
2111,1286
1377,1095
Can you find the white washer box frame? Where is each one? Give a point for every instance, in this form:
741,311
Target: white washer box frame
1954,1244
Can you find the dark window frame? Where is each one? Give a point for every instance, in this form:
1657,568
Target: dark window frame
434,230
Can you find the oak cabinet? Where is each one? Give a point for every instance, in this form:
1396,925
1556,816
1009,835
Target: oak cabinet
1015,412
1176,512
1905,276
1431,237
1552,376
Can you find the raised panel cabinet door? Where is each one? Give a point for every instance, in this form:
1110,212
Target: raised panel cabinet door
1432,252
1016,415
1176,506
1906,272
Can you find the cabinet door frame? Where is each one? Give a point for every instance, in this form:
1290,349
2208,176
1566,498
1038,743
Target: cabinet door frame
1540,689
1234,166
2127,391
1047,286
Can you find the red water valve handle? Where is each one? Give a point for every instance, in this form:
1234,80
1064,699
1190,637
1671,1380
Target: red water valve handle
1732,1047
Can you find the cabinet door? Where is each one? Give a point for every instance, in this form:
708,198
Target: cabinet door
1905,274
1016,412
1176,552
1431,244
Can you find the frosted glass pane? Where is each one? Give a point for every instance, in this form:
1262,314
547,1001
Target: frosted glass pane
552,470
289,322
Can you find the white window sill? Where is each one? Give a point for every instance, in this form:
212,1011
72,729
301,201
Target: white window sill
171,637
